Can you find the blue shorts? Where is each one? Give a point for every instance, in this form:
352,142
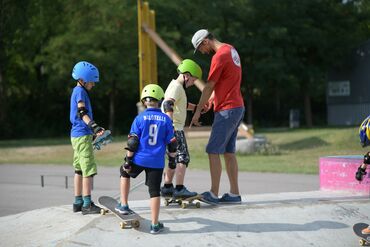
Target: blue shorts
224,131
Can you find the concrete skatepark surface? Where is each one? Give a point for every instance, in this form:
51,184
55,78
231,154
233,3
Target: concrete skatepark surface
293,213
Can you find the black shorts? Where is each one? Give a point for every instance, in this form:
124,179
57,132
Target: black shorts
182,152
153,176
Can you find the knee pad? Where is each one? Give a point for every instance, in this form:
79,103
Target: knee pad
123,173
154,192
367,158
171,162
78,172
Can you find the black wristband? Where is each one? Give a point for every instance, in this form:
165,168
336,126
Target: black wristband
94,126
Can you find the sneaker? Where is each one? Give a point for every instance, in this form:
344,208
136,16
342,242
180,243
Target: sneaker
77,207
183,193
366,230
167,192
207,197
123,209
154,229
91,209
228,199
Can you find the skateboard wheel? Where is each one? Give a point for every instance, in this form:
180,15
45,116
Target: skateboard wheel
103,211
197,205
362,242
183,205
136,224
166,202
179,202
122,225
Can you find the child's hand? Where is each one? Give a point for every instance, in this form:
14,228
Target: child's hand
127,164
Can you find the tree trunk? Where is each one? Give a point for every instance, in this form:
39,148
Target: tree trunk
2,101
307,109
250,106
277,102
112,97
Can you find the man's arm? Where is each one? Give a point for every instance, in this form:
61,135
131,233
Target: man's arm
206,94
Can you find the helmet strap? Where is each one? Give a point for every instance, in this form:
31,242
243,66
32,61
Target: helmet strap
185,81
83,86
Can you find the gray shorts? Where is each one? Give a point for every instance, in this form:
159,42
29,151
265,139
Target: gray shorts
224,131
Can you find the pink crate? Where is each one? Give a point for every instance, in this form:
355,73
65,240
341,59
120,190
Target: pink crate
338,173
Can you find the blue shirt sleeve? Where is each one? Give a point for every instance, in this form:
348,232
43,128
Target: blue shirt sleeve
135,127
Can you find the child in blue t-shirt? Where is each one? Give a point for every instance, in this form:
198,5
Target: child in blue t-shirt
150,133
82,132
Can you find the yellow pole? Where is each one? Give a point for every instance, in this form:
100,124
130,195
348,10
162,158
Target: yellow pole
140,44
146,46
153,51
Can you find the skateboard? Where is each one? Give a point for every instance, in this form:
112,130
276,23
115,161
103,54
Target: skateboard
102,140
364,238
185,202
126,220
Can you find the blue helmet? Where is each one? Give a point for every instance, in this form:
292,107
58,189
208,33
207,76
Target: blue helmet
364,132
85,71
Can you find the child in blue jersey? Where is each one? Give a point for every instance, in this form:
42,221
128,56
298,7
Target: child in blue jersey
82,132
150,133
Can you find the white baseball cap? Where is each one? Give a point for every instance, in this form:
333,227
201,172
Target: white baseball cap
198,37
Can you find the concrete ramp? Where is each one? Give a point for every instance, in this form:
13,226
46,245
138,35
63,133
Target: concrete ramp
285,219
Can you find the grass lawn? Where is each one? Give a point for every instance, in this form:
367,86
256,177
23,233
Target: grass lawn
292,150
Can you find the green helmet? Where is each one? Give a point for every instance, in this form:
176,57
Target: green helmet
189,66
152,91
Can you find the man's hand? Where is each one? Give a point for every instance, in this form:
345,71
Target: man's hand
195,119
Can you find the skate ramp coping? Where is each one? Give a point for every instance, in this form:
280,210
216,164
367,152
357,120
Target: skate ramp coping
314,218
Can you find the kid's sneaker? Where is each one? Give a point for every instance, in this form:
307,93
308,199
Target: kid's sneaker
228,199
123,209
167,192
209,198
91,209
155,229
184,193
77,207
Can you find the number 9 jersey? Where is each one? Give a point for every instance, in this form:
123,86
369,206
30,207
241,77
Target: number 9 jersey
154,130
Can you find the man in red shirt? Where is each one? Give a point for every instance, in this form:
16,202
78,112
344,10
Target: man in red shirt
223,92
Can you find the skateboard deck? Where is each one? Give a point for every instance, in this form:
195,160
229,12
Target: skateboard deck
102,140
364,238
130,220
185,202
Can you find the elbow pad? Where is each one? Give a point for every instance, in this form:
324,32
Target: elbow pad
82,111
132,143
168,106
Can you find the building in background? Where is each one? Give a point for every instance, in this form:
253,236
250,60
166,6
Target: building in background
348,89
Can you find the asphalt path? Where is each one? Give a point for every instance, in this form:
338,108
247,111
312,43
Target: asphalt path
21,185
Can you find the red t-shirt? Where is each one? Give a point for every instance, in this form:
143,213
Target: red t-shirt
226,72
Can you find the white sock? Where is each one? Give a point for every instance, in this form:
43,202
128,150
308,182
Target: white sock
213,195
232,195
